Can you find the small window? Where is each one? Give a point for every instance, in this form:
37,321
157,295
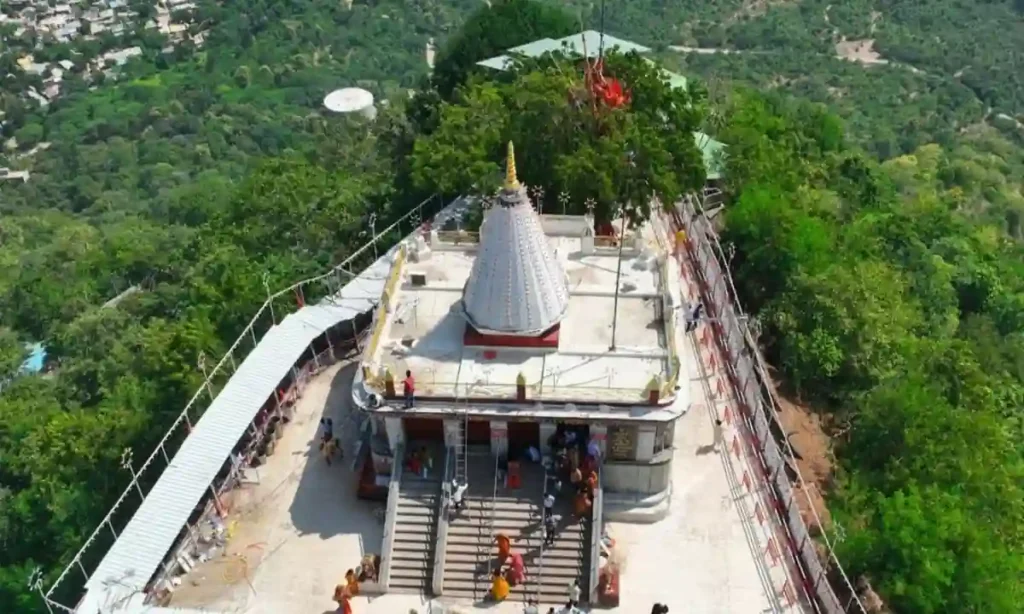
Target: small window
663,436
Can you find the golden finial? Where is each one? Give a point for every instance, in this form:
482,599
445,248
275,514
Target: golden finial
511,182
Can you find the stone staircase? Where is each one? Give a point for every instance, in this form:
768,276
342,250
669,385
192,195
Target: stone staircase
412,555
471,554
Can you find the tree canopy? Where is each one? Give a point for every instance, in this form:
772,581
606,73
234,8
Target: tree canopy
891,308
587,149
490,31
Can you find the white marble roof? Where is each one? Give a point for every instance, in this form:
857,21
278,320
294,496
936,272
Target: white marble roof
517,286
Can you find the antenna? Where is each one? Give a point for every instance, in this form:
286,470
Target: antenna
600,46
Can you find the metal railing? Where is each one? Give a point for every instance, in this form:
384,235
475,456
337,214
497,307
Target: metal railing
549,388
596,533
391,517
325,285
543,545
444,511
757,415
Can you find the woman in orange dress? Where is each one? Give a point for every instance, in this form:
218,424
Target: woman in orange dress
504,547
352,582
581,505
343,597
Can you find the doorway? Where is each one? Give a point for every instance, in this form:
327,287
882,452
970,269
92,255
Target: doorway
478,433
423,429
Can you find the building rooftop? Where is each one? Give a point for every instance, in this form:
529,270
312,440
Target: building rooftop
424,330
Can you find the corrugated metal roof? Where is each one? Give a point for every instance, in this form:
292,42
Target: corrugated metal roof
153,530
575,44
711,150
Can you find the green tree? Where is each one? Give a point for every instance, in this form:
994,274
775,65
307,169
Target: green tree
567,140
492,29
12,354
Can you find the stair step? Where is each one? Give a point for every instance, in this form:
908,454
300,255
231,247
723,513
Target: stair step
406,567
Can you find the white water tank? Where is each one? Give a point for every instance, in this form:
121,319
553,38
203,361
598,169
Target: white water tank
351,100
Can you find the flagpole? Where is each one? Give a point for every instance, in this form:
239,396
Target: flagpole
618,269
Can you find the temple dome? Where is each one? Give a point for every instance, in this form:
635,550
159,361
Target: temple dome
517,285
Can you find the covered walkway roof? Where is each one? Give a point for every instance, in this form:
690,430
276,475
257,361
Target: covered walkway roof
151,533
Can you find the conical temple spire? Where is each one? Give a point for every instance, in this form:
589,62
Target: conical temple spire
511,181
517,285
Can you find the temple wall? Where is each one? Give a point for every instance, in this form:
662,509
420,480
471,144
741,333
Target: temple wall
638,477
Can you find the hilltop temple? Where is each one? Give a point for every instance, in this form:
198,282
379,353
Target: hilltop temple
527,328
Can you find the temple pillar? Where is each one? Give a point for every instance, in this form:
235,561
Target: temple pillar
499,437
452,434
547,430
645,436
396,433
599,435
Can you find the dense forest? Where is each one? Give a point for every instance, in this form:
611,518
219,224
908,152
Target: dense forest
876,213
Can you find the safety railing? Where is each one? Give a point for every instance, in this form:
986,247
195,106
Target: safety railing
756,416
444,511
547,391
596,534
674,362
294,296
391,518
539,574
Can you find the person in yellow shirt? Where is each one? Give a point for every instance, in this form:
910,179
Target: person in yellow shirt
499,587
680,241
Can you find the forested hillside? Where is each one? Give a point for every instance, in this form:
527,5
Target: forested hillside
879,244
898,316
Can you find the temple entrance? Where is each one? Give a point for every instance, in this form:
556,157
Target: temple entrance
570,433
522,435
479,432
423,429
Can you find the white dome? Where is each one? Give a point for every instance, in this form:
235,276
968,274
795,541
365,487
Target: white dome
348,100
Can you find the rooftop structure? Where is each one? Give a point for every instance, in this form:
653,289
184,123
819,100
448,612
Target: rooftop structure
588,44
602,334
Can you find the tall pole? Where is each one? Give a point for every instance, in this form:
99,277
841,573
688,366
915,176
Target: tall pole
126,463
600,47
618,276
373,234
622,239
